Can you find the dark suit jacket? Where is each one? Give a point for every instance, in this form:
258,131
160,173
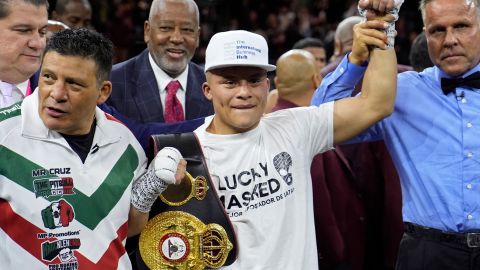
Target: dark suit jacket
143,131
34,80
135,93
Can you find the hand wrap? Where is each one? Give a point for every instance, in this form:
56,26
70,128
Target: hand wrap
150,185
390,30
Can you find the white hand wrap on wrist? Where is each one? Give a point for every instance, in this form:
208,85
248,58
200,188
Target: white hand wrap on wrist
390,30
146,189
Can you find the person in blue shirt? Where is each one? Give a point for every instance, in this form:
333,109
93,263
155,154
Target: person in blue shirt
433,137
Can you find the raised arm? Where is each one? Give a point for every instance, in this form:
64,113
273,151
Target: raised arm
353,115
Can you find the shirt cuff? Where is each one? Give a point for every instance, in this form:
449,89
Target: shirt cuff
350,73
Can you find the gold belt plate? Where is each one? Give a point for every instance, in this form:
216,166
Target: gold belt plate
179,241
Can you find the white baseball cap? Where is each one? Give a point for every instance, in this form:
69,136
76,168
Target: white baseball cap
237,48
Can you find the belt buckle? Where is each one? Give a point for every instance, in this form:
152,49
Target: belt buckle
473,240
179,240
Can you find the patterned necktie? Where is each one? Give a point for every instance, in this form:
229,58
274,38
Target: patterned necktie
173,107
449,85
7,97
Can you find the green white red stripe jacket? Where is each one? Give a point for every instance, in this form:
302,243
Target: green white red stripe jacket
57,212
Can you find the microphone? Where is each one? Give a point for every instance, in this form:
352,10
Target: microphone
460,96
94,149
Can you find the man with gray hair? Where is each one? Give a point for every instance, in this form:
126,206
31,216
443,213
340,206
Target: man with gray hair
433,138
161,84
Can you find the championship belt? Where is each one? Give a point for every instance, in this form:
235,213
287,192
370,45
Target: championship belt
188,226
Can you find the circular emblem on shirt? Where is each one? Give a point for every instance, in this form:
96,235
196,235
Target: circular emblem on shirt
174,247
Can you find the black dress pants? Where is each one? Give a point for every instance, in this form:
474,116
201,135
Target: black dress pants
423,253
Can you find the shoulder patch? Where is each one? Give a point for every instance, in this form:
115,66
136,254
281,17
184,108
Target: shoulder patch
12,111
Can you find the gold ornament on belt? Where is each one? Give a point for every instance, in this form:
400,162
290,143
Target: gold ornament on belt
177,195
179,241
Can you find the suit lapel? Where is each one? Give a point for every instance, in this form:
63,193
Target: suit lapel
147,94
194,99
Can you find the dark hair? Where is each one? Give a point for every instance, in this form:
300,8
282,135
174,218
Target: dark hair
6,6
61,5
84,43
419,57
308,42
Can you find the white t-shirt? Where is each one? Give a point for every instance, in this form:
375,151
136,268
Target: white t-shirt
263,178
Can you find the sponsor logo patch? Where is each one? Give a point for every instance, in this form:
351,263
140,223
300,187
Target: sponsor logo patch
55,186
58,214
61,249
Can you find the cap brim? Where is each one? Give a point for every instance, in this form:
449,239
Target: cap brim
265,67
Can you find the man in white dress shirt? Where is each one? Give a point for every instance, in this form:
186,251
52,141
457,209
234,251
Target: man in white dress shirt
23,26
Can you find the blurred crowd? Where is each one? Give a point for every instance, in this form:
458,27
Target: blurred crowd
282,23
286,193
